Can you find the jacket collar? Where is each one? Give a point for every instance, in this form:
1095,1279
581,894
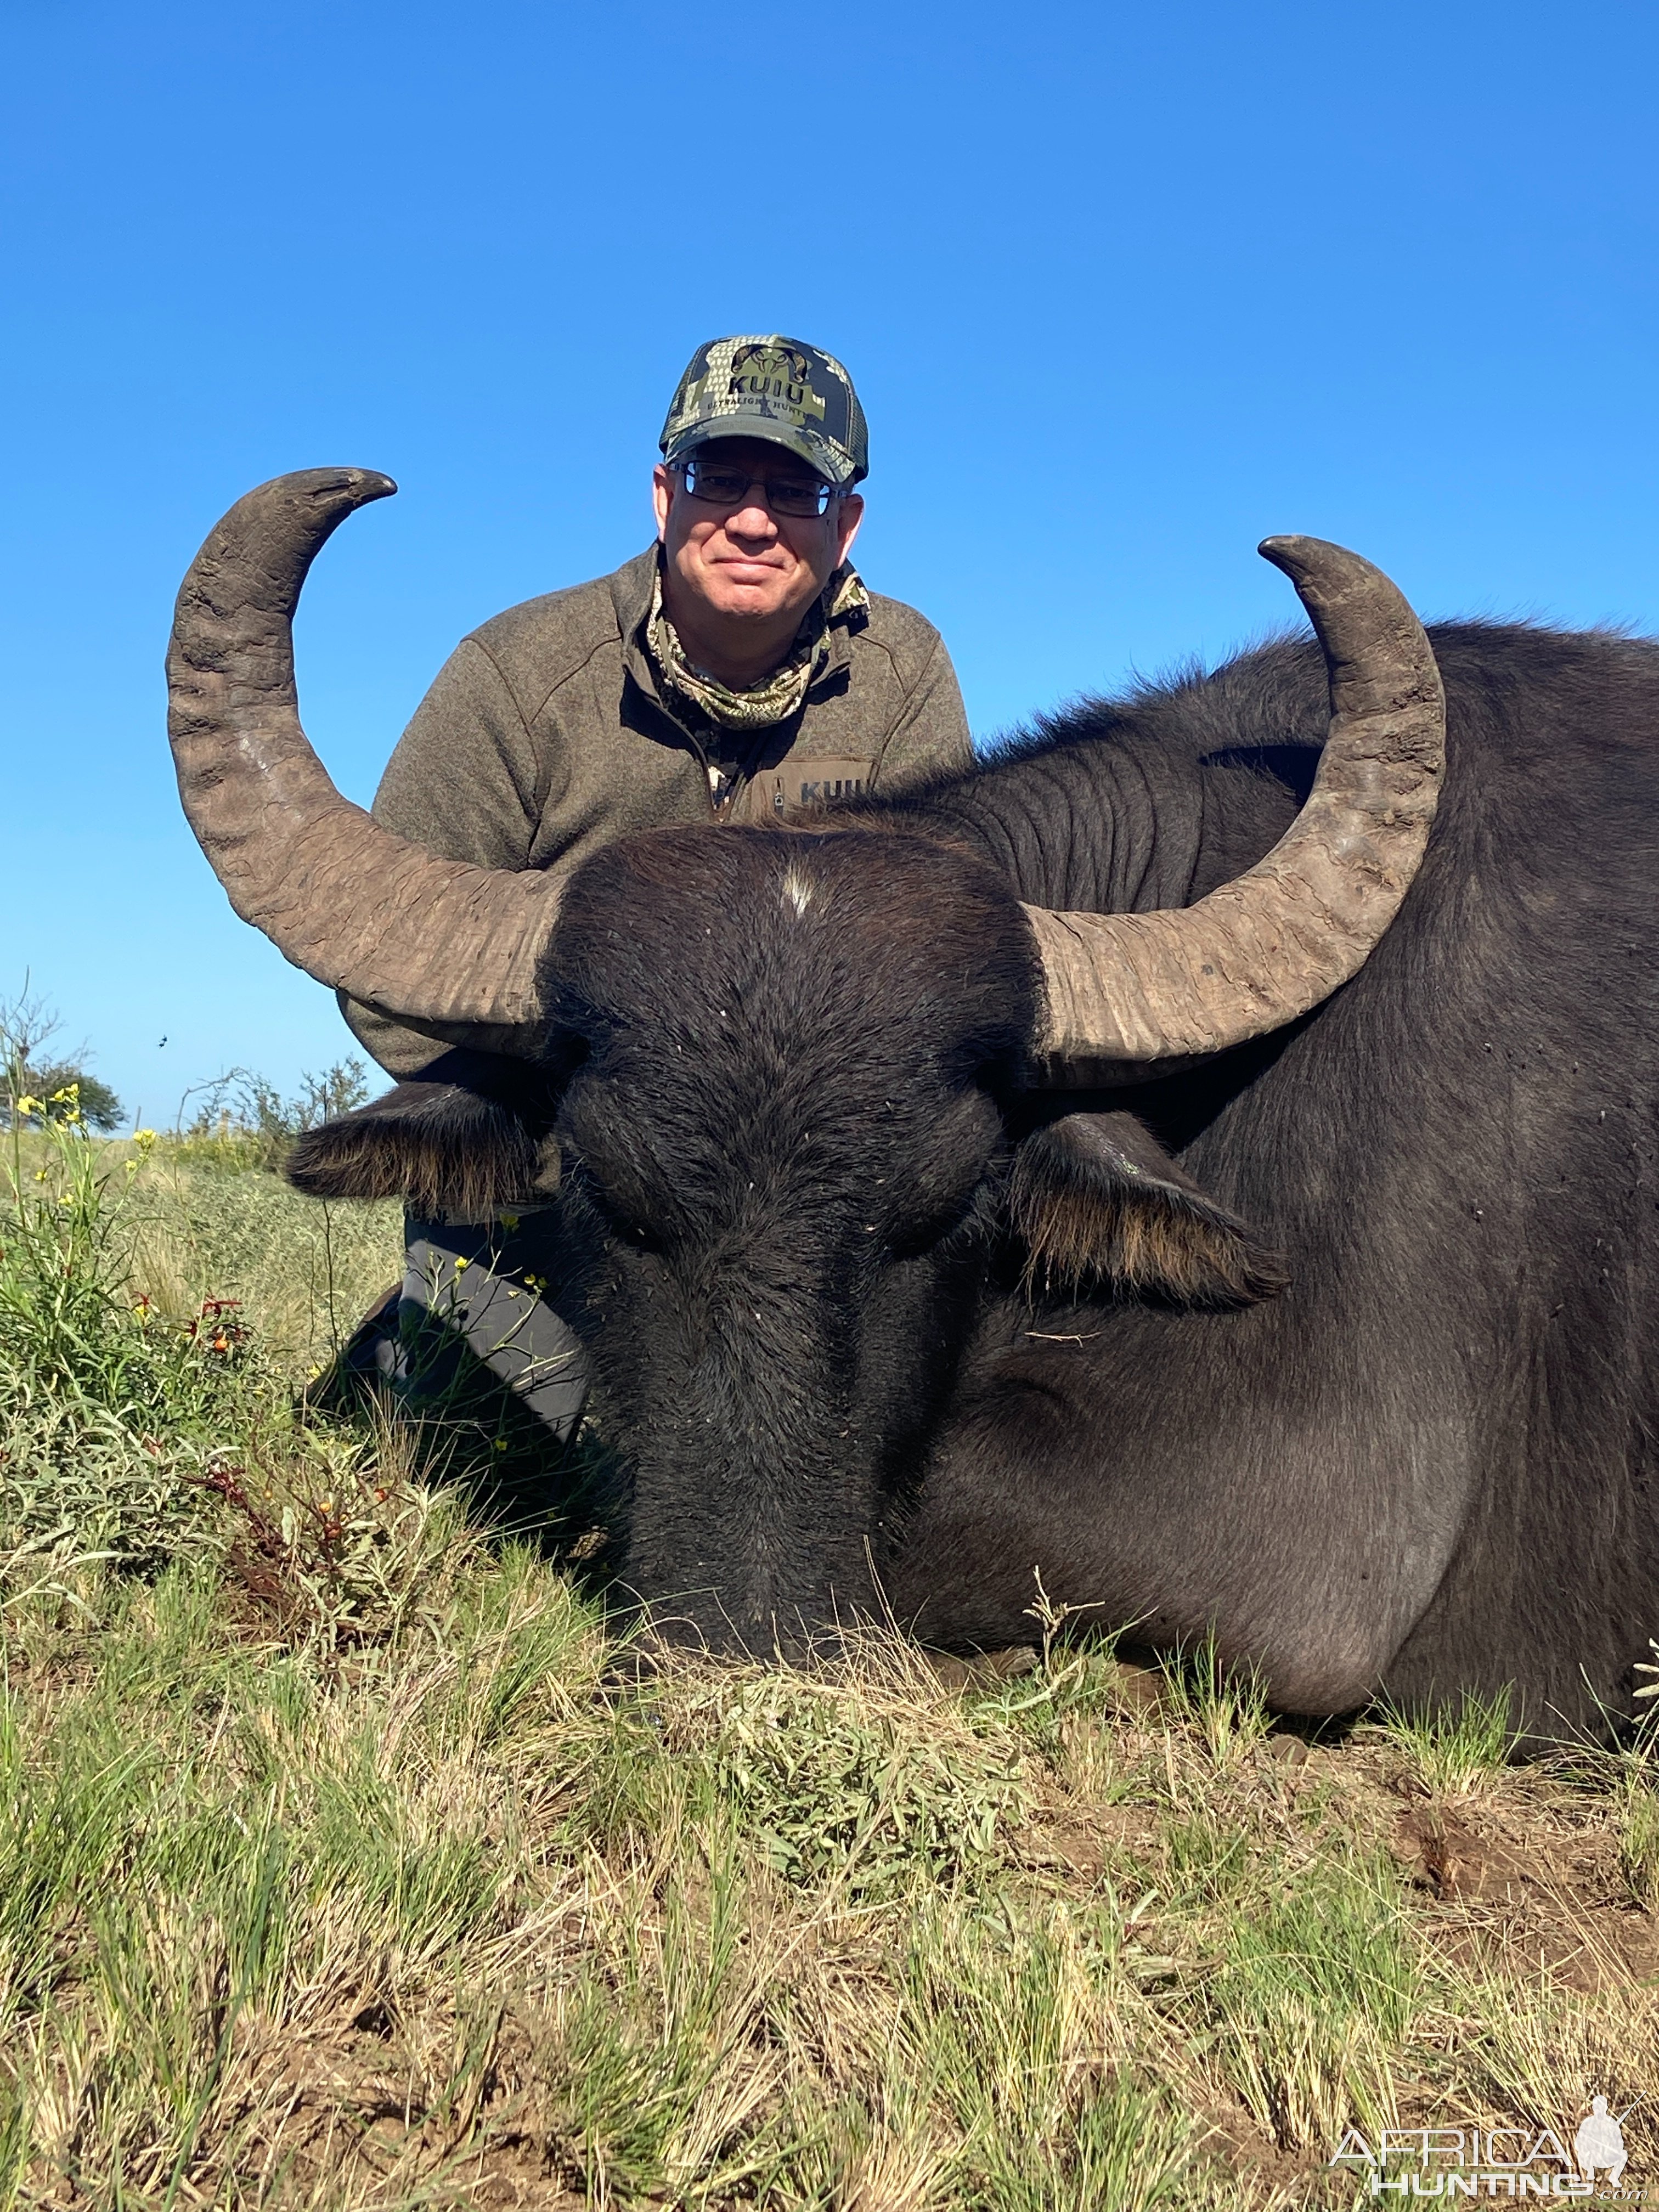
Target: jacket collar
631,587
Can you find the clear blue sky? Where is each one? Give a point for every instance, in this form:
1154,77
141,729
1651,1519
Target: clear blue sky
1124,289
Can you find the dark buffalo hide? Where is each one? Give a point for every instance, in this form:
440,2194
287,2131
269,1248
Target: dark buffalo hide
1338,1349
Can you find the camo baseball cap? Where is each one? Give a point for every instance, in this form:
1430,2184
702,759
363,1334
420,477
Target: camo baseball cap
793,395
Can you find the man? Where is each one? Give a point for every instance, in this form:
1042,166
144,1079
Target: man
736,669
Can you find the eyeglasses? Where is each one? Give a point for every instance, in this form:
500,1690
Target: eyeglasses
720,485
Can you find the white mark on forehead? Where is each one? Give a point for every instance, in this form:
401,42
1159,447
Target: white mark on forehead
796,891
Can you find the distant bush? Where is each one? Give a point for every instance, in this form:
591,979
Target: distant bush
38,1086
35,1095
242,1120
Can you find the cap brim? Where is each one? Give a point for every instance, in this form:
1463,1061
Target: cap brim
817,458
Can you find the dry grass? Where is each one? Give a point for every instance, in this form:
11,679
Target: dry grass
306,1272
345,1862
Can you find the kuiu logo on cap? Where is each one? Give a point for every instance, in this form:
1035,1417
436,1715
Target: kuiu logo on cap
771,386
778,374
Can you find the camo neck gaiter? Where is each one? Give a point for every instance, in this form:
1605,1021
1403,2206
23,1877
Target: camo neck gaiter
782,692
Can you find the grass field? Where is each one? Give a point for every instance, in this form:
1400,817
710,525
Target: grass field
346,1861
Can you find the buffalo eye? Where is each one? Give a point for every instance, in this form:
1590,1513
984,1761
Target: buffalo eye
958,1212
620,1223
631,1235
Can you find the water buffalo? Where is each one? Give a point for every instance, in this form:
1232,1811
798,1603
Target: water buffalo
1072,1165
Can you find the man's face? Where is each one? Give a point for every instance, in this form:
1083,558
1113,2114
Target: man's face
747,561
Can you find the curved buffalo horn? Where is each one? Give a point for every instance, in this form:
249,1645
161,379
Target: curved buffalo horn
432,940
1126,989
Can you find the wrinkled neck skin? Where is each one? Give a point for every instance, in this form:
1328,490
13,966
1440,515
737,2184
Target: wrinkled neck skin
1131,815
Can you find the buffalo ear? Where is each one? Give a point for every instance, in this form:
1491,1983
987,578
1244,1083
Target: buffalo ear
1098,1203
460,1148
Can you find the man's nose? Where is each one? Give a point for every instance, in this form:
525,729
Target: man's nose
753,519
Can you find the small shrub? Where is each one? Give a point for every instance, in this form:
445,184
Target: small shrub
243,1123
332,1543
836,1784
80,1488
834,1787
